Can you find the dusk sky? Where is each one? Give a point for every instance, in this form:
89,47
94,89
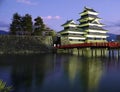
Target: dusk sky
57,12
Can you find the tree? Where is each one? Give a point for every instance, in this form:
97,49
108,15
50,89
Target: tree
49,31
16,24
4,88
27,24
52,33
21,25
39,26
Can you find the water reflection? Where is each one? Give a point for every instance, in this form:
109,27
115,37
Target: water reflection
91,73
57,73
89,70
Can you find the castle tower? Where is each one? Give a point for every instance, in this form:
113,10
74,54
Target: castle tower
89,23
71,34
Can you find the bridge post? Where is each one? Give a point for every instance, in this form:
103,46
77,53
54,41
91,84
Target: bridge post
67,50
101,52
82,52
70,51
78,51
92,52
118,53
109,50
64,50
95,52
112,53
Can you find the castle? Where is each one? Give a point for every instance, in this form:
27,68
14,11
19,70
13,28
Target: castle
88,30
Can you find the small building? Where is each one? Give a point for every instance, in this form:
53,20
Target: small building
71,34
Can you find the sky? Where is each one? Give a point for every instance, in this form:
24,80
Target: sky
57,12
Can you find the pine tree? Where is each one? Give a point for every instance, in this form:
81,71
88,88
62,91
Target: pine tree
39,26
27,24
49,31
16,24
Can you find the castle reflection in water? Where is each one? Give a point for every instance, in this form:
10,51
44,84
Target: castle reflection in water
56,72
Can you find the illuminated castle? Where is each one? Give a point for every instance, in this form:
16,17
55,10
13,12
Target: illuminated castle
88,30
72,33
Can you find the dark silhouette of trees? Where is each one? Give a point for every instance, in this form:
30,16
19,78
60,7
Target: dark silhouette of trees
39,26
23,25
16,24
49,32
26,24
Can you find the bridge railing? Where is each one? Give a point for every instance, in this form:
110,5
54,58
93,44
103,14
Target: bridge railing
85,45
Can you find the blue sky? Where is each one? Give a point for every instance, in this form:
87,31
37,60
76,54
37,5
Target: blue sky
57,12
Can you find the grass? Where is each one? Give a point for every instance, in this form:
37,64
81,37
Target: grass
4,87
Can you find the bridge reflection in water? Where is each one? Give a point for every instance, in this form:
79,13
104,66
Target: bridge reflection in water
60,73
89,71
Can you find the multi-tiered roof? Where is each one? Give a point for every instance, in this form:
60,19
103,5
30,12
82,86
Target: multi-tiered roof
89,28
90,24
71,31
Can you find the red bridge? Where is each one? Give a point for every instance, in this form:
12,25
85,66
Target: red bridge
115,45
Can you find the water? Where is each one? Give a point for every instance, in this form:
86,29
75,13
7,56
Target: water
60,73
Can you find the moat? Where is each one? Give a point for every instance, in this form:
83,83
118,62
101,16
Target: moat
60,73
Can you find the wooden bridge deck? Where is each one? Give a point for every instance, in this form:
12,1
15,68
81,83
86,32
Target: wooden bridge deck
115,45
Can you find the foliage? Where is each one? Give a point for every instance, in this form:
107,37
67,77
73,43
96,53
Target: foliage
26,24
52,33
4,88
39,26
25,44
23,25
16,24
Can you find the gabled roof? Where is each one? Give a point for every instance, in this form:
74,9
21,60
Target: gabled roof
69,22
88,9
92,21
95,28
95,17
77,29
89,15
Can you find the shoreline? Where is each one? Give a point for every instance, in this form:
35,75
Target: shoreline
11,44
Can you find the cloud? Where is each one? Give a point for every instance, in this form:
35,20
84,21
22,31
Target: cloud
4,25
112,23
113,27
28,2
48,17
57,17
52,17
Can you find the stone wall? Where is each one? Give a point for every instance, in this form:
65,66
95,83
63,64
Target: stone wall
25,44
65,41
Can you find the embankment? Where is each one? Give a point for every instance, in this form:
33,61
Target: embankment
25,44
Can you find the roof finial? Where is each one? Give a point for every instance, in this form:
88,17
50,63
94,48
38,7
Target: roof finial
87,7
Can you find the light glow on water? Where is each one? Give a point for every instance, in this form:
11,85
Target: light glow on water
60,73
